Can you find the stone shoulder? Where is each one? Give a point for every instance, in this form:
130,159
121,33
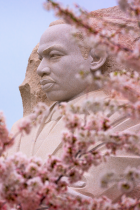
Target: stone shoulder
14,128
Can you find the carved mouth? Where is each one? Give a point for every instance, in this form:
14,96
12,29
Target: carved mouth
47,86
46,81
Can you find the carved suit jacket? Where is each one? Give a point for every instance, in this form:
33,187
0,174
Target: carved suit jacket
46,139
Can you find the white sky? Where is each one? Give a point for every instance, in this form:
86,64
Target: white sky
22,23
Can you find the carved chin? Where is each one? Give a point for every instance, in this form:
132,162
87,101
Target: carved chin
56,95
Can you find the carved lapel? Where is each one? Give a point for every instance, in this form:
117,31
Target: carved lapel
52,141
27,141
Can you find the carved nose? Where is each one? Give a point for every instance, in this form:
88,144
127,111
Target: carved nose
43,71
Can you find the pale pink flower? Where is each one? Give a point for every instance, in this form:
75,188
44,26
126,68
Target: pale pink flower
128,202
32,170
72,121
35,184
123,4
74,175
125,186
25,125
107,178
132,174
47,6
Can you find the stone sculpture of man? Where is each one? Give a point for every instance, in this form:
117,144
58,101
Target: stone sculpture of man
61,58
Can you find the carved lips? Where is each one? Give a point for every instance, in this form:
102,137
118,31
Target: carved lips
47,83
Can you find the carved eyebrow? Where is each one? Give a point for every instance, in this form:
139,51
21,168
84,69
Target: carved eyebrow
54,47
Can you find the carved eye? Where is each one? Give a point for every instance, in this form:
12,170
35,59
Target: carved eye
54,55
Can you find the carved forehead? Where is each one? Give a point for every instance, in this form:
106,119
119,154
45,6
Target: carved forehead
58,32
58,35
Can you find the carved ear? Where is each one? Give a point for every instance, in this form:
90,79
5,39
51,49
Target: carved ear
98,59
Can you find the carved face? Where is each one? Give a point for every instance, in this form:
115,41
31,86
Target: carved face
61,61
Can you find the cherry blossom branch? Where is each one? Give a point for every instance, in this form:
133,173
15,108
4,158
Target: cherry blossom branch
72,19
103,35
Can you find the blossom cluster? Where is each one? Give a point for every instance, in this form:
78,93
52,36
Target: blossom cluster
86,129
6,140
25,125
126,182
29,184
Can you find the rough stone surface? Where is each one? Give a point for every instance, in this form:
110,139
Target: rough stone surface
30,89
